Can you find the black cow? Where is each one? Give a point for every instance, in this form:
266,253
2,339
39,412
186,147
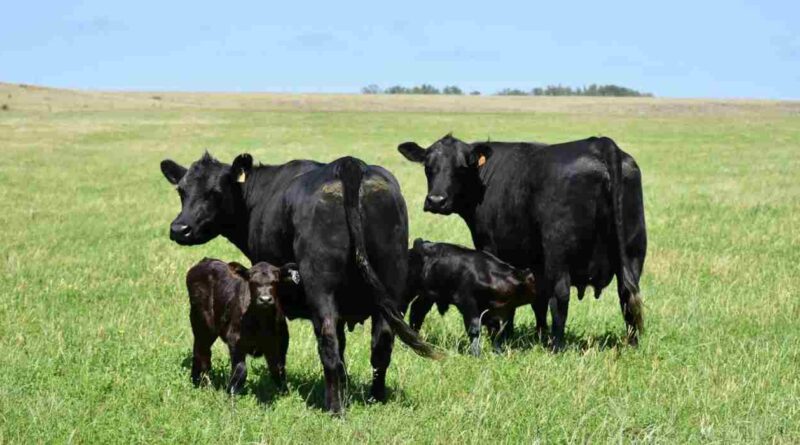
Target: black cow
239,305
482,287
343,223
572,212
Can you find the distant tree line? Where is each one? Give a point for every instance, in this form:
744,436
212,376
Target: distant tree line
550,90
425,88
590,90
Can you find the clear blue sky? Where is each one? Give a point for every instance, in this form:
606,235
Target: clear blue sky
676,48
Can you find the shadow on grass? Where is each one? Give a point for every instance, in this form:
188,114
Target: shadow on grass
311,388
525,338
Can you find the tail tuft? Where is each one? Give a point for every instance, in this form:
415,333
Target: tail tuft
636,309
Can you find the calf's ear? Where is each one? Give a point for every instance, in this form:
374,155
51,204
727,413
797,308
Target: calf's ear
239,269
412,151
241,167
290,273
172,171
479,154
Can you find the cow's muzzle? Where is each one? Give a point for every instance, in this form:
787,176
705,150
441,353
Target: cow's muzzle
180,233
436,204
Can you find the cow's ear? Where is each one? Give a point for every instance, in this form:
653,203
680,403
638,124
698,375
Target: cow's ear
418,242
241,167
479,155
172,171
412,151
290,273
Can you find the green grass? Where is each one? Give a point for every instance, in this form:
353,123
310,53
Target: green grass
95,337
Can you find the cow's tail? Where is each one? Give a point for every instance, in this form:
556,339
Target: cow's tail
351,172
613,160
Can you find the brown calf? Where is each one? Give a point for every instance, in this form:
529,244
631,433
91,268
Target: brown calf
239,306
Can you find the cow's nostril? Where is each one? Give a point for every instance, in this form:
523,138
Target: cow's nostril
435,199
181,229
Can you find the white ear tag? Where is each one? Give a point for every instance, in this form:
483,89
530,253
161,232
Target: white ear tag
295,276
241,178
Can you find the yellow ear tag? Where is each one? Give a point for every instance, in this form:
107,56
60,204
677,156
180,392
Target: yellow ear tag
481,160
241,177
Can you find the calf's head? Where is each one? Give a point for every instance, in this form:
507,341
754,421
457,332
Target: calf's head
451,167
268,282
209,192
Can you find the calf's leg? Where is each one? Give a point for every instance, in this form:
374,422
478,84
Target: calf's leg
276,356
201,351
472,321
419,309
238,368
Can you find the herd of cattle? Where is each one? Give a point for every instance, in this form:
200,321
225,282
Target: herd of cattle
329,243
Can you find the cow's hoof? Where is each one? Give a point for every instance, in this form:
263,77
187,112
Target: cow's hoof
475,347
336,411
377,395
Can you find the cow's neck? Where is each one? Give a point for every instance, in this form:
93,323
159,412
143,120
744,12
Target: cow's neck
252,193
474,191
237,232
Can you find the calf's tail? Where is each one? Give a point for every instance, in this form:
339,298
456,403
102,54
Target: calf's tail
351,172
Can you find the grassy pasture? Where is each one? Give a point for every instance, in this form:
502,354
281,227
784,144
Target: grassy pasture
94,335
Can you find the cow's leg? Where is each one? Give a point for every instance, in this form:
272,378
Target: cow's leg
381,357
419,309
539,306
276,359
342,343
238,367
559,308
201,351
328,349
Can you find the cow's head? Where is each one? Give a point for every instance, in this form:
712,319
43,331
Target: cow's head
209,191
451,167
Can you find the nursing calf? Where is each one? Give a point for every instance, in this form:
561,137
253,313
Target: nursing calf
241,307
481,286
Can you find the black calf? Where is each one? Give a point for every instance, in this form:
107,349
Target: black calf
482,287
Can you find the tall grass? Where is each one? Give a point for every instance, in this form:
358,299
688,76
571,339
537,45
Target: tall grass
94,332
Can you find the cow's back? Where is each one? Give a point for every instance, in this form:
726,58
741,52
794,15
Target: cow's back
554,200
